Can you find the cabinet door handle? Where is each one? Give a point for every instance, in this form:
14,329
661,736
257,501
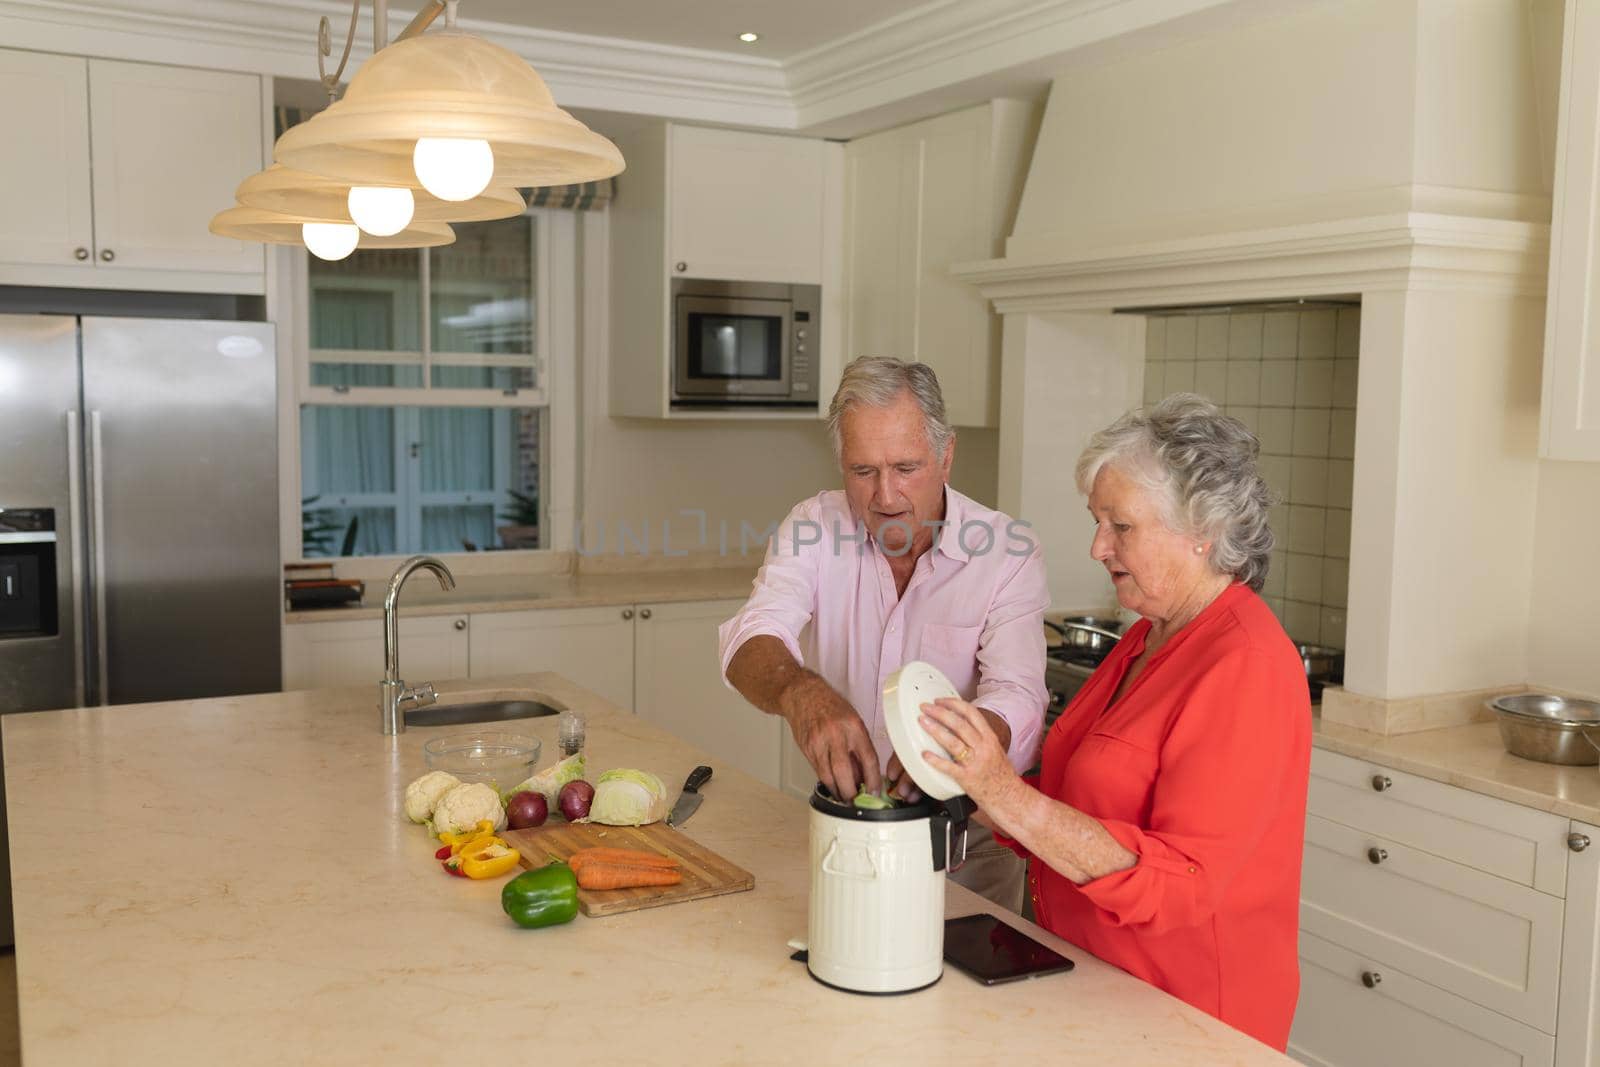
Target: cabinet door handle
107,255
1377,855
1370,979
1381,782
461,624
1577,842
627,613
644,613
80,254
680,266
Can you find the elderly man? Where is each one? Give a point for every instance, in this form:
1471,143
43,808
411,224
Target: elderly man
897,567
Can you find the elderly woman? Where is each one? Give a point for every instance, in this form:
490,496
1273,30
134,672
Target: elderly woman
1164,829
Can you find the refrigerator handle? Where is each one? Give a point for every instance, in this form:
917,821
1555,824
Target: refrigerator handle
75,520
98,503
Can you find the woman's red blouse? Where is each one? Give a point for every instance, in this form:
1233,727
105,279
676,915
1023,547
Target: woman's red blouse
1200,770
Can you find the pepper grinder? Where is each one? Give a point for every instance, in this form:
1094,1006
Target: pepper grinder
572,733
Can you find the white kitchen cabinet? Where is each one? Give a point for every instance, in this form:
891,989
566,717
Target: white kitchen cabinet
919,199
677,687
350,652
1364,1013
127,162
592,647
45,215
1441,925
724,205
1578,1013
745,207
1570,412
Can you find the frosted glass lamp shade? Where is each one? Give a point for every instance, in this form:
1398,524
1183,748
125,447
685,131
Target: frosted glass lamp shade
451,168
453,85
293,192
330,240
380,210
270,227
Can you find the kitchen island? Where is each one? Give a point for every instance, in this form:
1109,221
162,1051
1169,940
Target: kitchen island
231,881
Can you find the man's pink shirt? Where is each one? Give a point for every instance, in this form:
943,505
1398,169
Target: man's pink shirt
973,608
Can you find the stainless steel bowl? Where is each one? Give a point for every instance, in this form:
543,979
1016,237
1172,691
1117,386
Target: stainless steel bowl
1550,729
1088,633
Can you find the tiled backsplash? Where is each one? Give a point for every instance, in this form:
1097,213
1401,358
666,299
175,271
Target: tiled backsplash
1291,377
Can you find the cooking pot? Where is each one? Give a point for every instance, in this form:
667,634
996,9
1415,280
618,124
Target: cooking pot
876,918
1096,634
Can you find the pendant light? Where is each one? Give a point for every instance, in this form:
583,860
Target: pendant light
450,111
296,192
276,228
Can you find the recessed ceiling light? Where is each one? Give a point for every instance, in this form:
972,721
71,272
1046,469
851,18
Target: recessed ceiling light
749,38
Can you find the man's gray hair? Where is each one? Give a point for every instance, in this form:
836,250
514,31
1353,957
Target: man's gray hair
876,381
1204,465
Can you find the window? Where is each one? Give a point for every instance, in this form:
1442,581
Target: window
425,393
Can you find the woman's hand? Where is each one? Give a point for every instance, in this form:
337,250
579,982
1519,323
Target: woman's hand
978,760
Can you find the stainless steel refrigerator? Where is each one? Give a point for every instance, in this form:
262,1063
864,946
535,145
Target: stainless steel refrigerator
138,513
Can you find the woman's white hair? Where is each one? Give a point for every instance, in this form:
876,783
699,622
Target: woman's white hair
1204,465
875,381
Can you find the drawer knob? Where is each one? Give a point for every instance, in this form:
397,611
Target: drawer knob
1370,979
80,254
107,255
1381,782
461,624
1377,855
680,266
1577,842
644,613
627,613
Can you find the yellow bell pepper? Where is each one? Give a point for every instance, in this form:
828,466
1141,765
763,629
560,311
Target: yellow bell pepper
490,862
484,827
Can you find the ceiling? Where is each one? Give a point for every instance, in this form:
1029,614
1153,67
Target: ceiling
787,27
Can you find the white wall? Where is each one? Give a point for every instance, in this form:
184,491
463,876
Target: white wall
1564,620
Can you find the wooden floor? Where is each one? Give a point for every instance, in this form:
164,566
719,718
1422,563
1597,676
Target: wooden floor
10,1047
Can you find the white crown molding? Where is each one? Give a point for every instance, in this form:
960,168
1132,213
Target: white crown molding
940,44
950,41
279,39
1359,255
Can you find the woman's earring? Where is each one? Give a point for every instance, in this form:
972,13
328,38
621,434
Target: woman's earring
1199,550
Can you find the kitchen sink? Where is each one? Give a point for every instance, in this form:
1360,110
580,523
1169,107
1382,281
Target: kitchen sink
486,711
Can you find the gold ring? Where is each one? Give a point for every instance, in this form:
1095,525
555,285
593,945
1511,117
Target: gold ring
965,752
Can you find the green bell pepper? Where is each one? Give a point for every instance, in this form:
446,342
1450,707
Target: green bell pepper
544,897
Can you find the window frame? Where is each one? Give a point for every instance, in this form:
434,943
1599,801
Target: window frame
556,266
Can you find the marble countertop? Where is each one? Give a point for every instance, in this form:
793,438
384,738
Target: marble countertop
519,592
231,881
1472,757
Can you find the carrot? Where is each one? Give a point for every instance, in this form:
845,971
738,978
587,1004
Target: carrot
628,856
602,875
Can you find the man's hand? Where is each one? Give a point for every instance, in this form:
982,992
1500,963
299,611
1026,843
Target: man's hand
832,736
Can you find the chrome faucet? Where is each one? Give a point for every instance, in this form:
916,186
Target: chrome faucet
394,699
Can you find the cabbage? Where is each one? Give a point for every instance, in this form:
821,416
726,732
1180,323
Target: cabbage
628,798
550,780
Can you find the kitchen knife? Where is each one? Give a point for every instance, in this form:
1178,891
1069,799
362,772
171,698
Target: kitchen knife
689,800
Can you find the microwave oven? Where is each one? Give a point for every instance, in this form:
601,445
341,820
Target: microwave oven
744,343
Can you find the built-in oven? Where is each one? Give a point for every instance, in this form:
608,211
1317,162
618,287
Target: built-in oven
739,343
27,573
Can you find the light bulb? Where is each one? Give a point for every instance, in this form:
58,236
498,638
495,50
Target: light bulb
381,212
330,240
452,168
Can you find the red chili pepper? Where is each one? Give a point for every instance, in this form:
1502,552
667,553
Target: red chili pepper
456,870
443,853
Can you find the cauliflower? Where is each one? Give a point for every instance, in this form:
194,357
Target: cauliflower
422,795
463,806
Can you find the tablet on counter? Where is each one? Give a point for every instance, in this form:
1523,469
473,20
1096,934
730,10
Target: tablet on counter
993,952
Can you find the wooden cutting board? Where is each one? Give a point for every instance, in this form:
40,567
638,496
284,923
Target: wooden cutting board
705,874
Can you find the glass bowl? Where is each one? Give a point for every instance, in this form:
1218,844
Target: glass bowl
498,758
